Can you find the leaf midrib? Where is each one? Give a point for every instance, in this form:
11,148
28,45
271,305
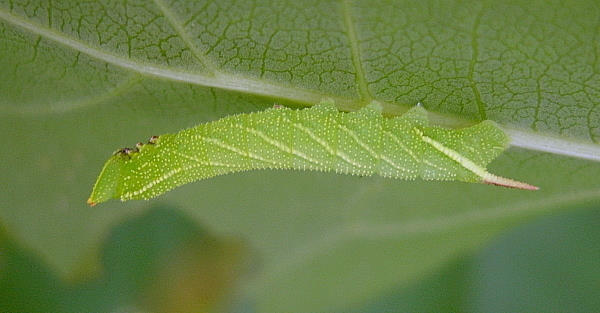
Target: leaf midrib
526,139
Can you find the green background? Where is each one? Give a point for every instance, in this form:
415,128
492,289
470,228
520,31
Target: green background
82,79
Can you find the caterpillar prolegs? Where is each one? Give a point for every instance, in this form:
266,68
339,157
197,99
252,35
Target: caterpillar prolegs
318,138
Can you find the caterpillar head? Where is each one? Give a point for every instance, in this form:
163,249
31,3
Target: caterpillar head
108,183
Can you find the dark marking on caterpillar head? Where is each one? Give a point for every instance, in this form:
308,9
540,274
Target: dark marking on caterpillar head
152,140
126,152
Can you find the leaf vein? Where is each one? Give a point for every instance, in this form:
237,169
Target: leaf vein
361,82
473,62
170,17
235,82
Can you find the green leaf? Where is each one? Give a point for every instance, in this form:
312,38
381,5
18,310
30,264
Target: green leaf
79,79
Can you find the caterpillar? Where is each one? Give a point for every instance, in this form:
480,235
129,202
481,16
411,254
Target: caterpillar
318,138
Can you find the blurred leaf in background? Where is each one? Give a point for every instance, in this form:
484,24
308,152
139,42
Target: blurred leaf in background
26,284
550,265
160,261
555,269
82,79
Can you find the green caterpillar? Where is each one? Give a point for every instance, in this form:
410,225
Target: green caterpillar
319,138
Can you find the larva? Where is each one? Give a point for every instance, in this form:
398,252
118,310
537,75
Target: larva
318,138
